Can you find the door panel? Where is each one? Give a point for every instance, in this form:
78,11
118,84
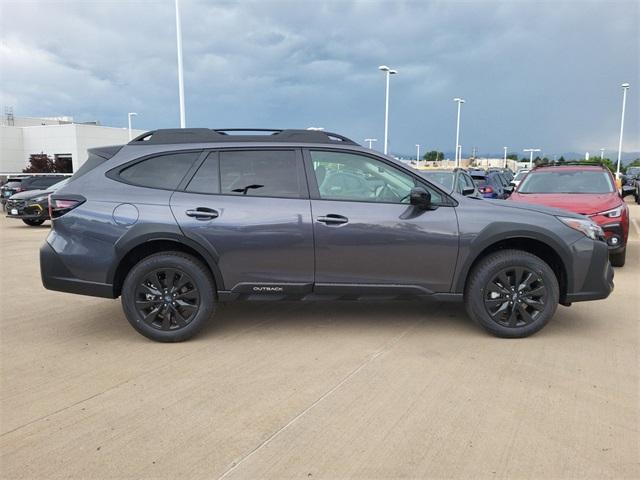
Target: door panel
255,240
385,245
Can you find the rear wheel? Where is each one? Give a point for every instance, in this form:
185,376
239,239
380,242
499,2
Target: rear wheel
512,293
618,259
168,297
33,222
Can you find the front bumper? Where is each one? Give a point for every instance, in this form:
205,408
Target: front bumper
56,276
27,211
615,230
597,282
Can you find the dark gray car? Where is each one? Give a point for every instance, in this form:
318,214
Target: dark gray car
178,221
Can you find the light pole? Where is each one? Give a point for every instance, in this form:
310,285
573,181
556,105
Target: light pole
370,141
602,154
417,153
180,71
129,115
505,157
460,101
531,150
625,87
388,72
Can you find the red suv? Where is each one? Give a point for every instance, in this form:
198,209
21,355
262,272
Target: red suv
586,189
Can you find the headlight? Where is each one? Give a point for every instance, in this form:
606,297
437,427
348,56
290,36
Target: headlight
613,213
38,199
587,227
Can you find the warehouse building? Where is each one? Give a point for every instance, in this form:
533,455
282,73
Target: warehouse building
58,137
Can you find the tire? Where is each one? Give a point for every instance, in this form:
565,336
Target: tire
164,309
637,195
618,259
487,301
33,222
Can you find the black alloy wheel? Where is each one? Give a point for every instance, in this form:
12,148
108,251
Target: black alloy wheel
515,297
167,299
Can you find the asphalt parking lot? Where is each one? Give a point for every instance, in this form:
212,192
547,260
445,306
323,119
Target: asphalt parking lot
314,390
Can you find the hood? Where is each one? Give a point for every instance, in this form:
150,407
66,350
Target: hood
582,203
527,207
29,194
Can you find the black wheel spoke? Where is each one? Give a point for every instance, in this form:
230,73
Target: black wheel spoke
536,292
152,315
526,317
503,308
533,303
504,281
526,281
495,301
167,299
513,317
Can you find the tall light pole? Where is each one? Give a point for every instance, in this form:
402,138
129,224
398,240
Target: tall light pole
388,72
531,150
460,101
417,153
602,154
370,141
625,87
505,157
129,115
180,70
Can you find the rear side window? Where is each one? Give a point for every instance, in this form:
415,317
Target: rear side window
207,178
262,173
163,171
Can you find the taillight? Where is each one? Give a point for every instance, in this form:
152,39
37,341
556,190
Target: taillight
60,206
486,189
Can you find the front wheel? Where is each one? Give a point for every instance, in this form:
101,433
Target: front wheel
33,222
512,293
168,297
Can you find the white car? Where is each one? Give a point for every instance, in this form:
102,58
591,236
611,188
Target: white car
518,177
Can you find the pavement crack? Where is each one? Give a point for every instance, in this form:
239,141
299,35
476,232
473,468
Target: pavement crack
386,348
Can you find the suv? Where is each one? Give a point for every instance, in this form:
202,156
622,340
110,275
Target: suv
585,188
457,180
178,221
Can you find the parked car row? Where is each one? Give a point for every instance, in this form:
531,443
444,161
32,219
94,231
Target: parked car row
26,198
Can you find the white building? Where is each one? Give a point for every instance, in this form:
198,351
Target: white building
58,137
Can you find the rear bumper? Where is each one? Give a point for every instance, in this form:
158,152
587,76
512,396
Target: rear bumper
56,276
598,280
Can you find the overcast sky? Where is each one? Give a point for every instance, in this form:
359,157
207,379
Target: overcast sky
534,74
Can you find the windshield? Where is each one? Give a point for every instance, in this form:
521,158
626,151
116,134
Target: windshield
443,178
571,181
520,175
633,171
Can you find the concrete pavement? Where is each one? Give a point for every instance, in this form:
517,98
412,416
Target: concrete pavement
316,390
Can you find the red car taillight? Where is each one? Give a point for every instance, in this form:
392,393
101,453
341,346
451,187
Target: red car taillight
486,189
60,206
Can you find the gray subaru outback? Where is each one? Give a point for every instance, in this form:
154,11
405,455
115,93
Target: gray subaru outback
178,221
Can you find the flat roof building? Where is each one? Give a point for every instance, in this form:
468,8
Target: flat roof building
58,137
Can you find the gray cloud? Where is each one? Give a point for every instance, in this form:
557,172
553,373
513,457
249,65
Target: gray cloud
541,74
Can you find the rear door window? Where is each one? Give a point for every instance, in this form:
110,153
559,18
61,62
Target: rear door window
262,173
162,171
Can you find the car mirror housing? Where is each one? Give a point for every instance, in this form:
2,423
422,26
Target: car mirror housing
508,189
420,197
466,191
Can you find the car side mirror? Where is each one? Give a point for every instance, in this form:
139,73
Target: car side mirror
466,191
420,197
628,190
508,189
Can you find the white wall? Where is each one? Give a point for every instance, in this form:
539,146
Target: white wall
17,143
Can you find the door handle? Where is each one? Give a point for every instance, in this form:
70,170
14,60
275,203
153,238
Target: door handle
333,219
202,213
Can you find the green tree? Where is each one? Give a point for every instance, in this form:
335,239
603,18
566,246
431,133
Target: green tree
433,156
512,156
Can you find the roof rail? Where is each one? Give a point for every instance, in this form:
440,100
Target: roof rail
573,163
222,135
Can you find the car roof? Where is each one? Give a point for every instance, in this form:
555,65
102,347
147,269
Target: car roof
594,168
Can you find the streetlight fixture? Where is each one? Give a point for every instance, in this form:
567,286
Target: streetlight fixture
460,101
417,153
602,154
129,115
180,69
531,150
625,87
370,141
505,157
388,72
